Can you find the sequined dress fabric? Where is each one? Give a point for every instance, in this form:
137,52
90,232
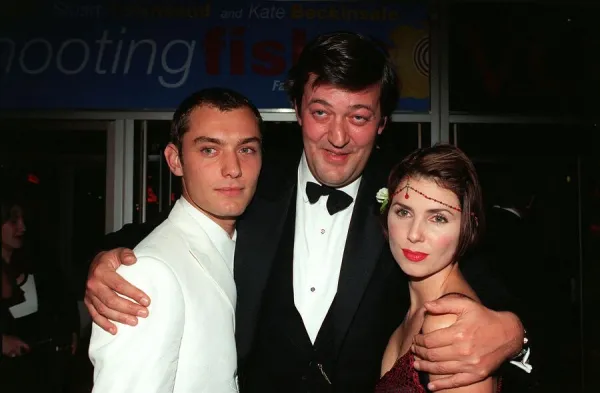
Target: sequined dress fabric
403,378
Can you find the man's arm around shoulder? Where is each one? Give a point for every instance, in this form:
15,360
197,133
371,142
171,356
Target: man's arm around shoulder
437,322
103,284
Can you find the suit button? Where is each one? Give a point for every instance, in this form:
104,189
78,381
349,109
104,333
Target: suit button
304,377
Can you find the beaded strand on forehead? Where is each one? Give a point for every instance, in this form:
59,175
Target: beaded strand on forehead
409,187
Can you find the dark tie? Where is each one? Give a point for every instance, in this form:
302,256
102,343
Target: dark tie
337,201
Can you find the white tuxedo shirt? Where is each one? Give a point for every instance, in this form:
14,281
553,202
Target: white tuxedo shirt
319,242
187,343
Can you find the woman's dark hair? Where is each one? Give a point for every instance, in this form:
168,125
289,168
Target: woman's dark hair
8,203
217,97
451,169
346,60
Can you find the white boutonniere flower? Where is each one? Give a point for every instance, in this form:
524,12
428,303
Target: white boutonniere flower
382,197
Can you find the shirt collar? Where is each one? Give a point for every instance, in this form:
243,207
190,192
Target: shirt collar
217,235
305,175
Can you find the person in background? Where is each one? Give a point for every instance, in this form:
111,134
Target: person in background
40,320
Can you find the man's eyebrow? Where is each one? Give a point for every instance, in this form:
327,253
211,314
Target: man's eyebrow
207,139
203,139
250,140
362,106
352,107
319,101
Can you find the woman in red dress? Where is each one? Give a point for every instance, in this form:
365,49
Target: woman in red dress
432,215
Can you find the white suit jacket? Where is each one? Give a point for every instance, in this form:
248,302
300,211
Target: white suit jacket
187,343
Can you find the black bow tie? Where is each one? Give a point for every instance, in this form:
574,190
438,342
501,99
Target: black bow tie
337,201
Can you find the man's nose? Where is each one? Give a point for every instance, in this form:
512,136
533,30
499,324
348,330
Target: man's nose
338,134
231,165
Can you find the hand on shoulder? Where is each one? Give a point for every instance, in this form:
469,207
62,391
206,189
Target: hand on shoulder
433,322
450,349
104,285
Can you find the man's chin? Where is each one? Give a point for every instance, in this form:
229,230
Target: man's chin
229,213
334,178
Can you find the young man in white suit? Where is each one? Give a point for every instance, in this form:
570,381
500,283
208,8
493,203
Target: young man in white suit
187,342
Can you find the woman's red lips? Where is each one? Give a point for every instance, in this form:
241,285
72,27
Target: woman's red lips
414,256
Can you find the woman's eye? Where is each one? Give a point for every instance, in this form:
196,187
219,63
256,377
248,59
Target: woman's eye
439,219
402,212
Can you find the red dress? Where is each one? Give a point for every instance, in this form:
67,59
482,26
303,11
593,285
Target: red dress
403,378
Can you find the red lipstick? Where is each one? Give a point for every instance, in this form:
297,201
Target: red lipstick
414,256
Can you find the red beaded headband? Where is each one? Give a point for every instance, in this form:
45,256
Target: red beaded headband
409,187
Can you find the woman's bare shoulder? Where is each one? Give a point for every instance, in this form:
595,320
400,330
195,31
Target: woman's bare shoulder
436,322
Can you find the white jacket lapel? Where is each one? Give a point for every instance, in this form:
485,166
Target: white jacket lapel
203,250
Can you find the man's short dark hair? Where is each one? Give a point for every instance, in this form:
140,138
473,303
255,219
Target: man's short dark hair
345,60
216,97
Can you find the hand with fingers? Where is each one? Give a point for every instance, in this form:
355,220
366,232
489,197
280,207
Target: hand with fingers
13,346
470,349
104,285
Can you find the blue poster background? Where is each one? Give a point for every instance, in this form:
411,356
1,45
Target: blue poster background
148,55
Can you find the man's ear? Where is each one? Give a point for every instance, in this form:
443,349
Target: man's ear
173,160
298,117
382,125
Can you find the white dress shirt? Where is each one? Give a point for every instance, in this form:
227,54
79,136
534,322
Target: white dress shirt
319,243
30,305
187,342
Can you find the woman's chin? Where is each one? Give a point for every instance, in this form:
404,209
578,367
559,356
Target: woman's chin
413,271
14,245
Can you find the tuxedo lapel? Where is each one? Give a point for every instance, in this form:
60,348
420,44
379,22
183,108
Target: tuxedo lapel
212,262
205,253
259,234
363,248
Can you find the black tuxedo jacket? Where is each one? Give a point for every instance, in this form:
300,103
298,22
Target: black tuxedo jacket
372,296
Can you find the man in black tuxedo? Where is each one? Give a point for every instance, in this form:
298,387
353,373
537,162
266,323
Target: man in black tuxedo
319,293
